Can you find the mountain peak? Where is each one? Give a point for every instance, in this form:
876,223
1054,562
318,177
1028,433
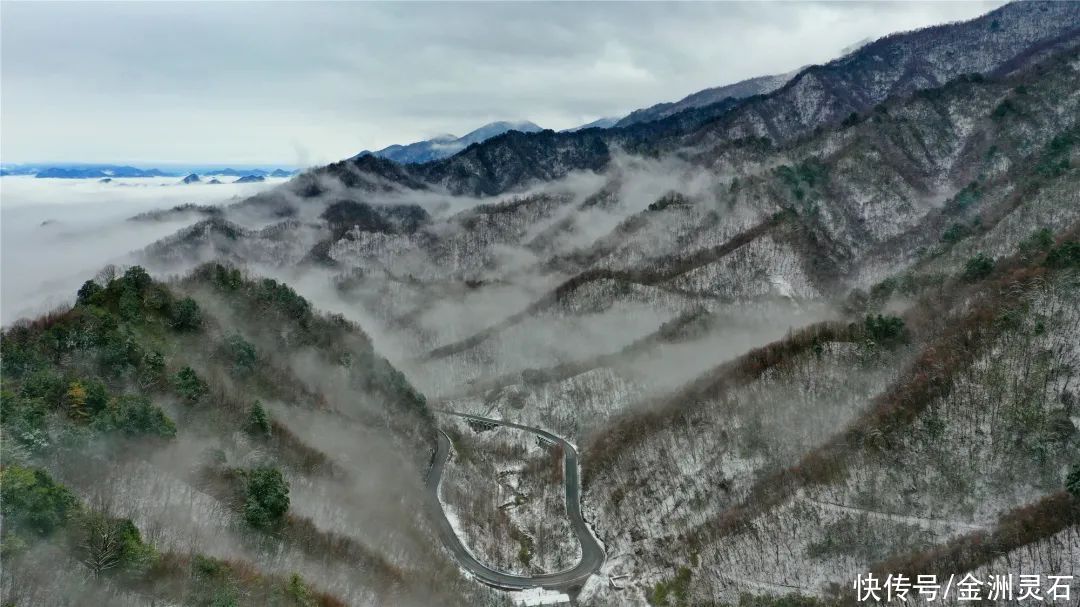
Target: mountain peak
443,146
599,123
493,129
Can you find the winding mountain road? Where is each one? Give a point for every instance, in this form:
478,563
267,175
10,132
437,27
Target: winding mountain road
592,554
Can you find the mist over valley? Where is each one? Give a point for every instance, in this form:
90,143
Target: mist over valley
750,346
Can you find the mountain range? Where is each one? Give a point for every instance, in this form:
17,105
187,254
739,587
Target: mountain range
448,145
443,146
230,172
87,172
740,90
817,96
793,337
111,171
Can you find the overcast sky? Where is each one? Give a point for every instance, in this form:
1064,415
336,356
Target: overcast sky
310,83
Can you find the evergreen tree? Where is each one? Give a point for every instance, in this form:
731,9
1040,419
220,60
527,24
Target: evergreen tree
1072,481
978,267
185,315
258,421
88,292
189,385
267,497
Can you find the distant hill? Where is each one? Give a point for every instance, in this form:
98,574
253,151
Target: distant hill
235,173
251,179
91,172
17,169
77,170
444,146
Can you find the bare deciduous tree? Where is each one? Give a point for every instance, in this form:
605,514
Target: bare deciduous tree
101,542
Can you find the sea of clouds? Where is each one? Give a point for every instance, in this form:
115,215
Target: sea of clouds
57,233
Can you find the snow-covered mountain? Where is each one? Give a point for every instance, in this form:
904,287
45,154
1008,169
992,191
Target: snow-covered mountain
734,310
443,146
823,331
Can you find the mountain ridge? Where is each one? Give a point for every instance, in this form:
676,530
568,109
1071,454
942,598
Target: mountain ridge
749,87
793,338
446,145
816,96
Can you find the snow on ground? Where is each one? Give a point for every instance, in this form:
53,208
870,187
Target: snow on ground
504,495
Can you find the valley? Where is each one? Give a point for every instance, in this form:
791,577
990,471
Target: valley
727,351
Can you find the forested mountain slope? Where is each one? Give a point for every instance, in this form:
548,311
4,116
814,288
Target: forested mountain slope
209,441
905,185
827,330
881,445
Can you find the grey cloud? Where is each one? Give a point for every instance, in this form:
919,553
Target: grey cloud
236,82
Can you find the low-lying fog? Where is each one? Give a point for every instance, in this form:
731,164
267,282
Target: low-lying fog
57,233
